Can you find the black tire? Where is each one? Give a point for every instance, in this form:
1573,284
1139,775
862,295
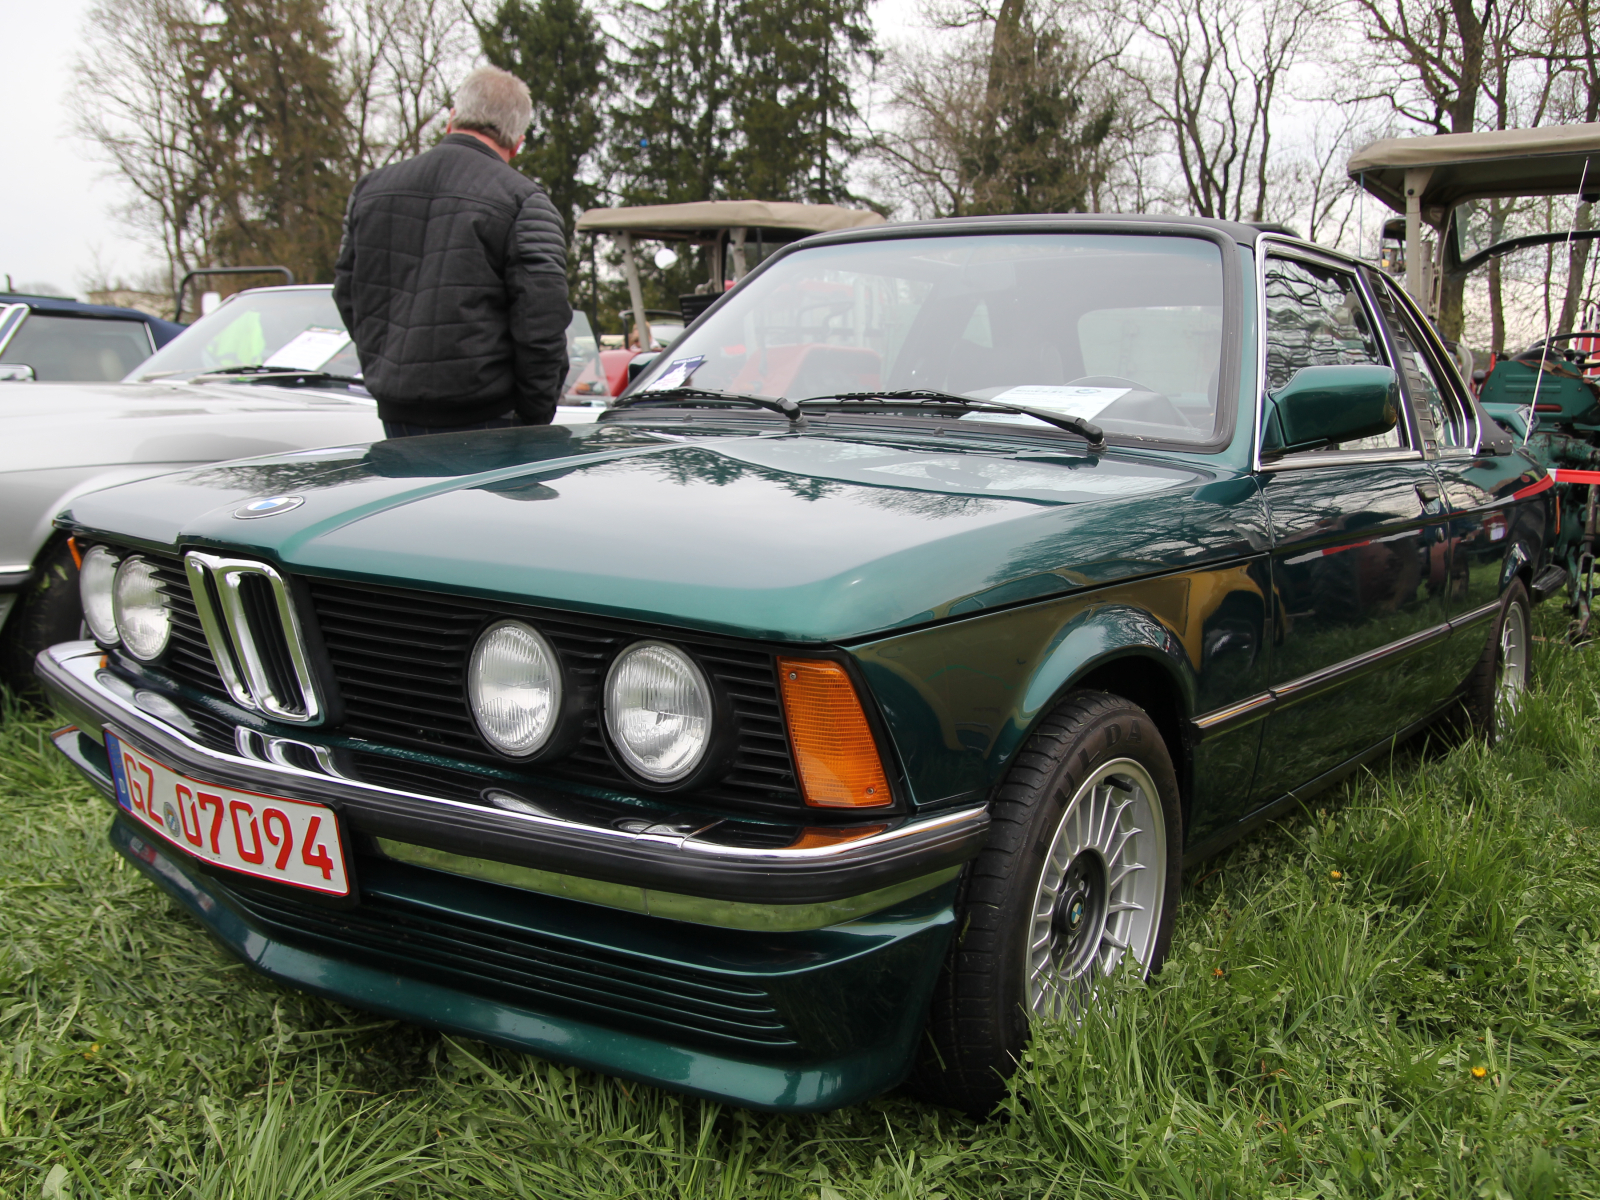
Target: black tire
48,612
1496,674
980,1019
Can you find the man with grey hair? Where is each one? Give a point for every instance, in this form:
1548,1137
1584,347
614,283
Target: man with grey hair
452,275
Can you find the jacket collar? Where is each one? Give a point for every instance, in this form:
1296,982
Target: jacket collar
466,139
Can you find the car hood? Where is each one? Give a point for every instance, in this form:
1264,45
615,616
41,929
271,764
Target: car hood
799,537
55,425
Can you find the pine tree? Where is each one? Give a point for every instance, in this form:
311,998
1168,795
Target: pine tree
793,104
276,114
741,99
674,138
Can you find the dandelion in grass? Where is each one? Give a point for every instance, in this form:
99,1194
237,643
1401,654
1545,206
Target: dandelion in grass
1336,876
1479,1072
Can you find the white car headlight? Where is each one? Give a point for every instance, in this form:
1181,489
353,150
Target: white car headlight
658,709
514,685
139,602
95,578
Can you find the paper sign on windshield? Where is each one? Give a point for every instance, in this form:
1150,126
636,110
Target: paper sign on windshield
676,375
309,350
1070,400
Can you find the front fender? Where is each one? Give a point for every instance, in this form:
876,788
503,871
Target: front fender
961,698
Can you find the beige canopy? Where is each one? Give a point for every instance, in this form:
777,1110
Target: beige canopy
706,221
1425,177
1468,166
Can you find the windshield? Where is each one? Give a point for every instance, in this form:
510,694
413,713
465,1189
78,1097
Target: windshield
297,329
582,349
1120,329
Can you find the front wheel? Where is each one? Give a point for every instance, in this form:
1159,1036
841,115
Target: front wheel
47,613
1081,870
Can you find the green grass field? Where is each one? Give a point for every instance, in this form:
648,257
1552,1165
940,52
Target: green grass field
1397,995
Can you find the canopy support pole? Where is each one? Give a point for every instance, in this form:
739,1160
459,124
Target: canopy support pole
1416,181
630,271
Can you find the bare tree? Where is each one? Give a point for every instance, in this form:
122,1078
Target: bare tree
398,57
137,101
1213,73
1009,114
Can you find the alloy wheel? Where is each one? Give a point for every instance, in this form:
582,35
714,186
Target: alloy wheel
1512,677
1100,894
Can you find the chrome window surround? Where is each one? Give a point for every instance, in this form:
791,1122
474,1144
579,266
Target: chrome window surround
11,318
233,642
1268,245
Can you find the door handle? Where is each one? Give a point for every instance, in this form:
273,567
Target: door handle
1429,492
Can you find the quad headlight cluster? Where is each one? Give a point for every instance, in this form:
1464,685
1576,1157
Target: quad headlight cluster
658,704
125,602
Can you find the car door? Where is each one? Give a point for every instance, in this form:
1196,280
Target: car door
1359,615
1478,488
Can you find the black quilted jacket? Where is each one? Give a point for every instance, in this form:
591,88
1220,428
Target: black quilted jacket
452,278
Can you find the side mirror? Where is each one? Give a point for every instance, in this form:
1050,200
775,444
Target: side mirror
16,373
1323,406
640,363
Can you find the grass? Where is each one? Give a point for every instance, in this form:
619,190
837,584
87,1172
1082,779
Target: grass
1397,995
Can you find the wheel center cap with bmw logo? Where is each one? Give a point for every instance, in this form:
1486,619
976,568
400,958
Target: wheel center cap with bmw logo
268,506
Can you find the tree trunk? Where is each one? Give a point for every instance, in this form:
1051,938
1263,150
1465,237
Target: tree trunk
1577,261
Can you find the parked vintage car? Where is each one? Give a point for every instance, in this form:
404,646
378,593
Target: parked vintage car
272,369
846,700
55,338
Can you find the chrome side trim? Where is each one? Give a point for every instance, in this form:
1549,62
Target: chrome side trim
674,906
1224,720
1318,682
1253,708
233,639
1482,613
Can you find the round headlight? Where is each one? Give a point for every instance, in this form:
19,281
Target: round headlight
139,602
658,709
95,578
514,685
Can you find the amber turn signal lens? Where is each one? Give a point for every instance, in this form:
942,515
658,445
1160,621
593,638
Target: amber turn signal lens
834,749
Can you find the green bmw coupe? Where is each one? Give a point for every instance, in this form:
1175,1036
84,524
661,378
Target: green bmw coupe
849,698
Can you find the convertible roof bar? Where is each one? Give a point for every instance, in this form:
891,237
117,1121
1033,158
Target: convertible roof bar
705,222
1426,177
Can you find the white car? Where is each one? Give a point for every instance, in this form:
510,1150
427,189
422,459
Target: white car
272,370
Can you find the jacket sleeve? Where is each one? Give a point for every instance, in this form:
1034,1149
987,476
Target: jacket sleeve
536,285
344,267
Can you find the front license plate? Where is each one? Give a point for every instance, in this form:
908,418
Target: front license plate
271,837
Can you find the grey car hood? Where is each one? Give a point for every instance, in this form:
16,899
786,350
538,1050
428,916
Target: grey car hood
64,439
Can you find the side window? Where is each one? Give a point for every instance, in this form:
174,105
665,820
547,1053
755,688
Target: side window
1316,317
1440,418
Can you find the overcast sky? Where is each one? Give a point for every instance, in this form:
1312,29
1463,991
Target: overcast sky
57,224
55,205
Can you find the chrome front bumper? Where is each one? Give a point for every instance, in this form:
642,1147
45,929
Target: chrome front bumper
621,852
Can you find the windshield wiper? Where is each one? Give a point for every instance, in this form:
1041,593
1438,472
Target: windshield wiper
276,375
1087,430
780,404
